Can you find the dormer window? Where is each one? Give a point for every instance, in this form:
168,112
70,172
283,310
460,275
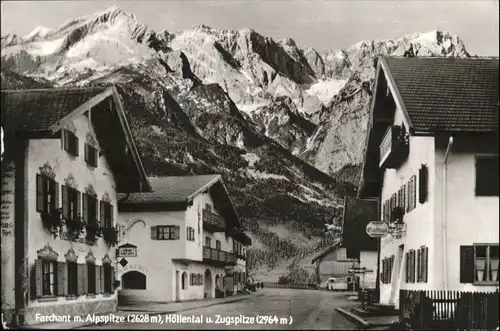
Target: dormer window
70,142
91,155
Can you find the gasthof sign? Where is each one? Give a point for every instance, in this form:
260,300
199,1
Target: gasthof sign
377,229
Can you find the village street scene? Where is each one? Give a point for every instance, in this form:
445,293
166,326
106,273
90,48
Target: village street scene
162,174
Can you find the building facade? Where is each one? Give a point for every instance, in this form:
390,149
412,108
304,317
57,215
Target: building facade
432,160
188,242
59,189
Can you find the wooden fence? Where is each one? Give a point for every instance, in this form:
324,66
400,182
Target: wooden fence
296,286
449,309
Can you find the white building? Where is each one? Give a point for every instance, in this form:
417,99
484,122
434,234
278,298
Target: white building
180,242
69,149
432,159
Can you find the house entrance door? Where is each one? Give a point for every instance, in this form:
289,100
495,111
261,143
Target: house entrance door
399,265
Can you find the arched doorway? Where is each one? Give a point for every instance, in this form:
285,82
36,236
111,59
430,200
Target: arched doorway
134,280
208,286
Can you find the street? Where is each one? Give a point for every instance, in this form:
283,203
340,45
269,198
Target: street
282,309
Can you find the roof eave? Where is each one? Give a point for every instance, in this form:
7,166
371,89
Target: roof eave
130,141
395,91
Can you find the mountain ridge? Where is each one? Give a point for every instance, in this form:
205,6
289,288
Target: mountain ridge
285,126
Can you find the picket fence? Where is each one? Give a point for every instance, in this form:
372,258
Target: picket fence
449,309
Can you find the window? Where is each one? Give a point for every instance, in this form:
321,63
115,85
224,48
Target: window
70,142
479,264
72,278
91,281
487,175
91,155
49,276
71,202
217,245
423,178
47,194
387,265
402,197
190,233
89,209
106,214
387,211
134,280
410,266
108,275
208,207
208,242
165,232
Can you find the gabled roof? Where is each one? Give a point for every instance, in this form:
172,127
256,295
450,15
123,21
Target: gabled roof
41,112
446,94
37,110
179,192
337,244
171,189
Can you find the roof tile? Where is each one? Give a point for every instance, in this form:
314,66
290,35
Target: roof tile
38,109
169,189
448,94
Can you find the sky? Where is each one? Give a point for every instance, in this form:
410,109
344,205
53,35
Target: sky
324,25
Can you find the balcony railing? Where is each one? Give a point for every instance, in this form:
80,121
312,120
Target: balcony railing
394,147
218,256
213,222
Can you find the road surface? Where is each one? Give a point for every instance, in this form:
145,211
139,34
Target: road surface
280,309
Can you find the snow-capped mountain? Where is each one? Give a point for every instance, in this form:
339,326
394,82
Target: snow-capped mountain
267,115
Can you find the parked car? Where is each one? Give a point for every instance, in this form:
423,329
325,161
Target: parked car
334,284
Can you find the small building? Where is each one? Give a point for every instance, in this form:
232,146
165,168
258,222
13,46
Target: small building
333,262
432,160
188,241
359,245
67,154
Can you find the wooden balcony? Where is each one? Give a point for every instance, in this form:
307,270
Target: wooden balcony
213,222
394,148
218,257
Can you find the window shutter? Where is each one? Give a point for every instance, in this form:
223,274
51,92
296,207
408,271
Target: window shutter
414,192
101,213
76,144
85,208
96,158
102,279
39,193
113,279
65,205
85,279
86,153
56,195
407,268
423,184
81,279
413,264
78,203
404,199
65,140
96,212
466,264
98,288
419,265
38,278
153,233
426,263
111,215
177,232
61,278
